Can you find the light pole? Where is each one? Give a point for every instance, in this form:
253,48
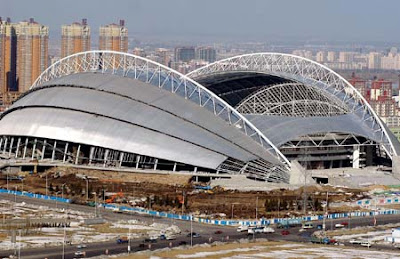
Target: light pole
63,253
22,181
62,190
129,240
232,211
257,208
87,188
47,187
8,173
191,229
16,188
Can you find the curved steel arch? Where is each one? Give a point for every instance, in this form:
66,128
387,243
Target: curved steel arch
307,72
268,98
151,72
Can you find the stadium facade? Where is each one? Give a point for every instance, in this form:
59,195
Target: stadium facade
252,114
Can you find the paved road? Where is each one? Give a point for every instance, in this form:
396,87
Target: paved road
207,232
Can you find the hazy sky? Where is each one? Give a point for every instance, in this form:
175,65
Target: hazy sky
245,20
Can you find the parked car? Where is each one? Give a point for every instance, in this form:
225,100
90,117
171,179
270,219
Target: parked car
193,234
285,232
242,228
182,243
268,230
79,253
339,225
80,246
366,244
218,232
150,240
355,242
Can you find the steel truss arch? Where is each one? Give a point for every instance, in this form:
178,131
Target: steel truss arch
291,99
309,73
150,72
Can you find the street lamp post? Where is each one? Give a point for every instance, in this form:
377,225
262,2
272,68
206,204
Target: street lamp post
87,188
47,187
129,240
62,190
191,229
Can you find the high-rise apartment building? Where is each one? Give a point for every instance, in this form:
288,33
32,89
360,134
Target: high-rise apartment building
374,60
185,54
331,56
114,37
207,54
75,38
23,57
321,57
32,52
8,57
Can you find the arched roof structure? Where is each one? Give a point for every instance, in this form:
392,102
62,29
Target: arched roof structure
296,69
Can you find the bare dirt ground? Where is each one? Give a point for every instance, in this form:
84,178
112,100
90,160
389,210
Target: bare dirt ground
168,193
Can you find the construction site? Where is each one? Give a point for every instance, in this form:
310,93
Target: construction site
180,194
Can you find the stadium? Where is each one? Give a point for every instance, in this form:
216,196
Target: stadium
254,115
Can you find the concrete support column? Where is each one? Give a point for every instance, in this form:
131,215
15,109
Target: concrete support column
5,145
137,162
65,152
356,156
91,153
53,154
105,157
1,142
18,144
155,164
77,154
34,148
44,148
195,169
331,164
26,147
340,163
11,145
121,158
174,169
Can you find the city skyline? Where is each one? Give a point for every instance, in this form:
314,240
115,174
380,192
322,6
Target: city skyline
243,21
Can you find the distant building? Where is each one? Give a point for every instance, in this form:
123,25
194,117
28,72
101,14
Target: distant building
75,38
163,56
184,54
374,60
321,57
8,58
114,37
208,54
360,85
331,56
32,52
139,52
346,57
23,56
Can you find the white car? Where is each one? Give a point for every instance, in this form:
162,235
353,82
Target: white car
339,225
268,230
79,253
242,228
355,242
81,246
366,244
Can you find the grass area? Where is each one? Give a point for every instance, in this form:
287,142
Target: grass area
216,251
107,228
262,249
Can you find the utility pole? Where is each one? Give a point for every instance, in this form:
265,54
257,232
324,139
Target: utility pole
47,187
87,188
63,253
257,208
326,211
129,240
191,229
